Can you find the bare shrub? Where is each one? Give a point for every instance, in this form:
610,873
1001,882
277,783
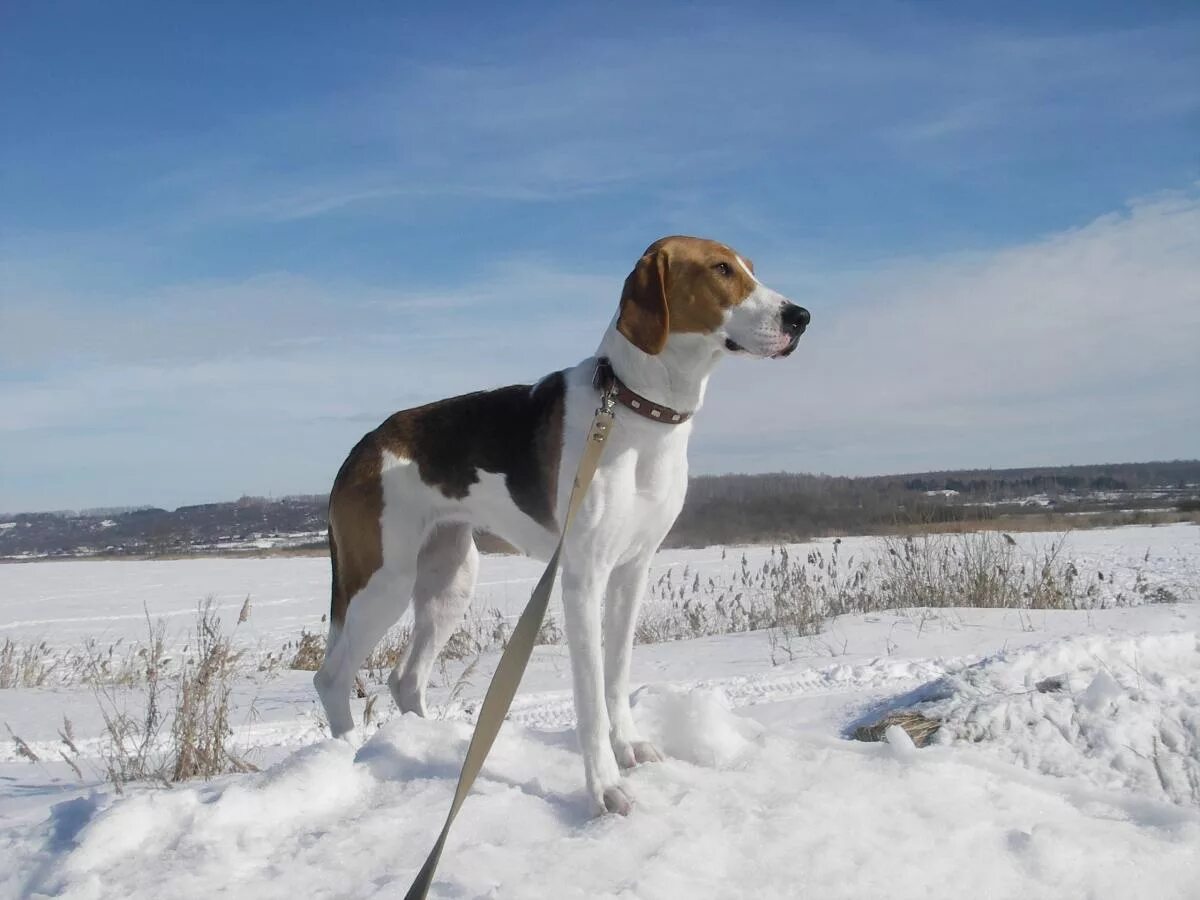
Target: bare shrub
170,726
200,727
460,685
67,735
1148,591
462,644
388,653
308,652
130,748
549,632
23,749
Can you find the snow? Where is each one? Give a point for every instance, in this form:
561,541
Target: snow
68,602
1127,714
901,744
786,815
693,725
1066,764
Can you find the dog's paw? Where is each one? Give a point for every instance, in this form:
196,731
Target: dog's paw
646,752
635,753
616,801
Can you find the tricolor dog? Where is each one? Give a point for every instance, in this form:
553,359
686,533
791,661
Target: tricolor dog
407,498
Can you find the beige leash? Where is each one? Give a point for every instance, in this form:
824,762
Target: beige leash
516,655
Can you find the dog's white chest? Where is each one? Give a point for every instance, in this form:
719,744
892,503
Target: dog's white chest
648,488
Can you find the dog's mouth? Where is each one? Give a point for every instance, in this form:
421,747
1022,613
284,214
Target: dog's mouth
787,351
734,347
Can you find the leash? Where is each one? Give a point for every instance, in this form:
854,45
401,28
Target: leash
516,655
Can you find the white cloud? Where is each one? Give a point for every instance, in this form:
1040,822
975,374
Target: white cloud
207,390
1078,347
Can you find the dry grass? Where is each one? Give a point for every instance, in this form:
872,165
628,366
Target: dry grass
980,570
920,728
792,598
387,654
26,664
200,726
169,723
133,716
37,664
307,652
23,749
475,635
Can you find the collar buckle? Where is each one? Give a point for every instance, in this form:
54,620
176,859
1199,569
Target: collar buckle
613,391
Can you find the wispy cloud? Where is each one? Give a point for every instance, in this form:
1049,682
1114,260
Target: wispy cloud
1081,345
264,383
564,121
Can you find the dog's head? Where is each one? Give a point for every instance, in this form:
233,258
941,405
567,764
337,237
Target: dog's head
697,286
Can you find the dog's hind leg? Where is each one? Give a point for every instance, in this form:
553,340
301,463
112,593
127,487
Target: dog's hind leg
370,613
446,570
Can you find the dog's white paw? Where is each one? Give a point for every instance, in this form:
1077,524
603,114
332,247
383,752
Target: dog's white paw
635,753
616,801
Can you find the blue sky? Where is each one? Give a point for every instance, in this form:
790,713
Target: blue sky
233,237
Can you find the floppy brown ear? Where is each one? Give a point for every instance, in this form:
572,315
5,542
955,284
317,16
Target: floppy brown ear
643,318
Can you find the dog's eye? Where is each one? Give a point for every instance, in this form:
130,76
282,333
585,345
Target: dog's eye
723,269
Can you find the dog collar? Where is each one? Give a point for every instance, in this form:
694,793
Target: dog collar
607,382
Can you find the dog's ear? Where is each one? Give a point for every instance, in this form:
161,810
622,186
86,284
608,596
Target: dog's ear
643,318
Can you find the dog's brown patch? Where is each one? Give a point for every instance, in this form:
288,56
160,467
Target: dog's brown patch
644,317
681,284
513,431
355,510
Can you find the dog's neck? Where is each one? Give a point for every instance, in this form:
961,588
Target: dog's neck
675,378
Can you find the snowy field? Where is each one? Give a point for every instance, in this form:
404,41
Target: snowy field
1067,764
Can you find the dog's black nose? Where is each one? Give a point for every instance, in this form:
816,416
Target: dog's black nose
795,319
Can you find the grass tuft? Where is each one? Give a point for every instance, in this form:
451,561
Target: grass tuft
918,727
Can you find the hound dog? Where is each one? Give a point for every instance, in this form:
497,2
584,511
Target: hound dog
405,502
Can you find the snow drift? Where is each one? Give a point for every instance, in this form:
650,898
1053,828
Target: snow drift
749,811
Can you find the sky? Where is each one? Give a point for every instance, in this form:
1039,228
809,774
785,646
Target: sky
236,236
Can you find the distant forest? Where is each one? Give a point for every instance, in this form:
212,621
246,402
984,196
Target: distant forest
752,508
721,509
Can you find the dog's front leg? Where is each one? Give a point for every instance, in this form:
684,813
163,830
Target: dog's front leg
583,588
626,587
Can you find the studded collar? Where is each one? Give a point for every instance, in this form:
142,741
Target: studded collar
606,380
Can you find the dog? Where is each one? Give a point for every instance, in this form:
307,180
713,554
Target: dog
410,494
